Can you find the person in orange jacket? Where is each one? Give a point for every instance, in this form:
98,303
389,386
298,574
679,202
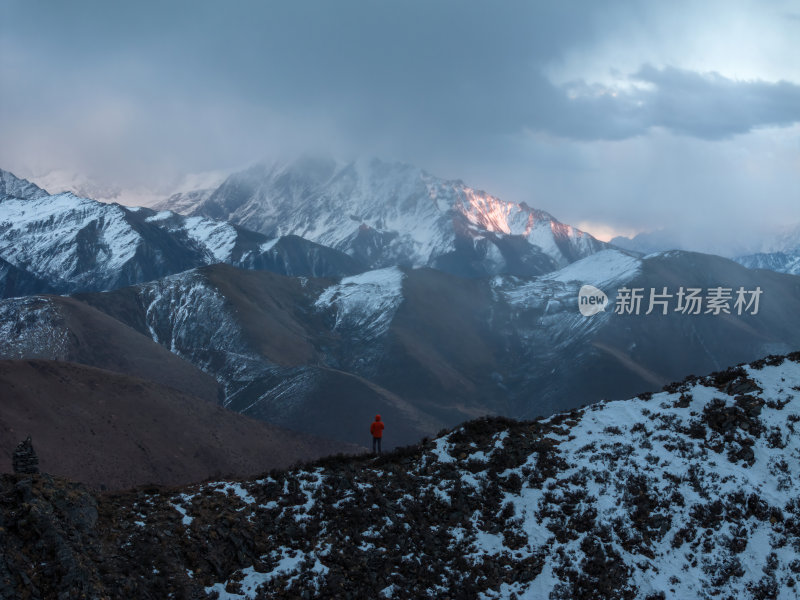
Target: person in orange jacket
376,429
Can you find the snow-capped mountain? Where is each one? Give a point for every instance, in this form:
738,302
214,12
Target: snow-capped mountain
70,243
184,202
781,254
781,262
686,493
386,214
430,349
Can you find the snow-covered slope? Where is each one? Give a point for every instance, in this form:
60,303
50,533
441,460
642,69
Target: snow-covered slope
687,493
77,244
365,302
64,238
393,214
603,269
184,202
188,315
32,327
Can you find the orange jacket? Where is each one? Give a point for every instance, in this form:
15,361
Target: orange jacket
376,429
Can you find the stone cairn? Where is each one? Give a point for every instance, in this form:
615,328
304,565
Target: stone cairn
25,460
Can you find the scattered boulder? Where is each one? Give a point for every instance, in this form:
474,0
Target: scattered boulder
25,461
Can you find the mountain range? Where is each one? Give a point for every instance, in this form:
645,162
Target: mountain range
265,321
460,304
65,244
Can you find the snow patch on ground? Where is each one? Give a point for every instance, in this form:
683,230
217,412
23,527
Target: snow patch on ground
289,562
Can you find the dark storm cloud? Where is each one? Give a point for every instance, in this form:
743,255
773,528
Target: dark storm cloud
713,107
182,75
179,78
702,105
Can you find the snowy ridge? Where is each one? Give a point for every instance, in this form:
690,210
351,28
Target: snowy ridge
556,294
15,187
688,493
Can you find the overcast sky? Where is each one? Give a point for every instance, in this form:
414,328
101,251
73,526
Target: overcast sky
614,116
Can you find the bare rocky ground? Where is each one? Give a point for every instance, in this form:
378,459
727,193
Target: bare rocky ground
687,493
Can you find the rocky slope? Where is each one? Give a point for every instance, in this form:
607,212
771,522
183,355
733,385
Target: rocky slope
387,214
114,431
687,493
15,282
429,349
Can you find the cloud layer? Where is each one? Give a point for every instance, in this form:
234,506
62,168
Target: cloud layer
541,102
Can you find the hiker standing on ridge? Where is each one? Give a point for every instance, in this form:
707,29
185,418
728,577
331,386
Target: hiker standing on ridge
376,429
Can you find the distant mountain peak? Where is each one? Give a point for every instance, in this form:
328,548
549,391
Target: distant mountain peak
414,218
16,187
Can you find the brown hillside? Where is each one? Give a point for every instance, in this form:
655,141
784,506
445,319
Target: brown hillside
117,431
94,338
